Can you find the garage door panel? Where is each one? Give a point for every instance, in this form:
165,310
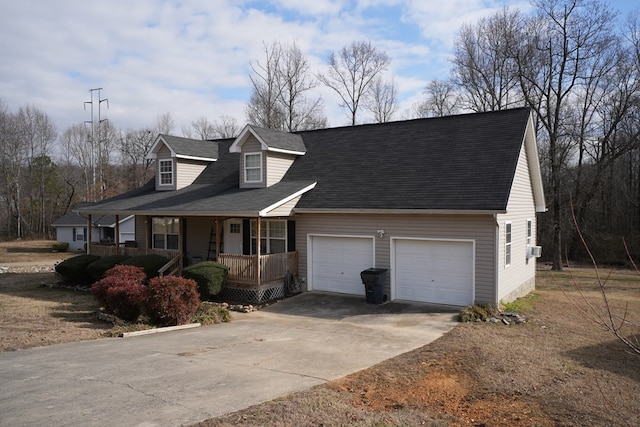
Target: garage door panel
434,271
338,261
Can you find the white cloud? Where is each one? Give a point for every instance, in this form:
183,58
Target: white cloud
191,58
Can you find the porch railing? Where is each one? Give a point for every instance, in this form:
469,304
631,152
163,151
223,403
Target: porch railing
172,268
108,250
242,268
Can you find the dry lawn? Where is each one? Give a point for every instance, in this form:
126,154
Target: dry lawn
32,314
559,369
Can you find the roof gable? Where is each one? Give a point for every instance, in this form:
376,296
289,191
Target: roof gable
185,148
271,140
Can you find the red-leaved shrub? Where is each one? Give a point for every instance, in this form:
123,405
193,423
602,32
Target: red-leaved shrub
122,291
171,300
127,272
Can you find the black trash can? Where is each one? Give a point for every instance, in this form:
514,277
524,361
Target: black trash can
374,280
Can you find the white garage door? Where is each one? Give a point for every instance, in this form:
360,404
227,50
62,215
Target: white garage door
434,271
336,263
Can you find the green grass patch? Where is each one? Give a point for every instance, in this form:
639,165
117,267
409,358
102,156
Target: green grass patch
521,305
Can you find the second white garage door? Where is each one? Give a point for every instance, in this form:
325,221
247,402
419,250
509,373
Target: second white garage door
435,271
336,263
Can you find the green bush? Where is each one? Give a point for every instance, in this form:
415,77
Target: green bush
209,275
75,269
97,268
60,246
171,300
150,263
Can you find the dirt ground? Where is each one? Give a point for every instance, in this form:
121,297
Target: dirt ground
558,369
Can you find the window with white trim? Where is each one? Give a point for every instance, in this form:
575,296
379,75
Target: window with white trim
165,172
165,233
273,237
253,167
529,232
507,244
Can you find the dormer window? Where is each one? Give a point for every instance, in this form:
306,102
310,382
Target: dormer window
165,170
253,167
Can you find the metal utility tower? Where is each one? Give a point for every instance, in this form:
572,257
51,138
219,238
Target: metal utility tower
96,154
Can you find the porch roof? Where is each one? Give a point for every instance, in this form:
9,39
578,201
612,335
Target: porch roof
205,200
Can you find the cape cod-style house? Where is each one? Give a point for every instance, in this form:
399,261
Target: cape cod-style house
447,205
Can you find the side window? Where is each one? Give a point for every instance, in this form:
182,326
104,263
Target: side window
507,244
529,233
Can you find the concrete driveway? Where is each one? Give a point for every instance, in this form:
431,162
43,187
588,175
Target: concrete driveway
181,377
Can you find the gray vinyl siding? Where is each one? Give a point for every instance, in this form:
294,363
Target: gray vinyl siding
198,234
141,231
277,165
252,145
520,208
187,171
480,228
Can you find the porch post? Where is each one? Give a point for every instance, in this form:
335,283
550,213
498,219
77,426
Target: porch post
88,242
218,225
149,225
258,241
117,236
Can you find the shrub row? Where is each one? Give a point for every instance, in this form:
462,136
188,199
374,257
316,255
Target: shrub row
166,301
86,269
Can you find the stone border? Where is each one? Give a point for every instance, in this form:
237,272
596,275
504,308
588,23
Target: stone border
159,330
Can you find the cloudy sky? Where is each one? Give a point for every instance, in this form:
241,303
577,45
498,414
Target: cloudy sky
191,58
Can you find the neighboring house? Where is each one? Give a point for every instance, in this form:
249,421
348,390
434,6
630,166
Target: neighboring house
448,205
73,229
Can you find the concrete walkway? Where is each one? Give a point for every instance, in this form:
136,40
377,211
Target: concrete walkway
182,377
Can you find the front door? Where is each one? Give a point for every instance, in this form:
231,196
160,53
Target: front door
233,236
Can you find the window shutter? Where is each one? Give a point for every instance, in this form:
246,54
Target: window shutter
246,237
85,234
74,234
291,235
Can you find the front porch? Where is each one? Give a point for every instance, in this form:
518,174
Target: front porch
258,272
248,280
255,282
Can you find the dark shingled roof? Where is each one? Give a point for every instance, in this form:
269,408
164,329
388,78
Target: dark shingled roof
73,219
463,162
192,147
280,140
456,163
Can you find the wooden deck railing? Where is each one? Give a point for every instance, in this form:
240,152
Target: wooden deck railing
172,268
242,268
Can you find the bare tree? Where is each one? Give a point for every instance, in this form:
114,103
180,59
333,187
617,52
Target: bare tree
200,128
134,146
483,63
280,98
165,124
263,108
227,127
382,101
351,73
441,100
553,62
